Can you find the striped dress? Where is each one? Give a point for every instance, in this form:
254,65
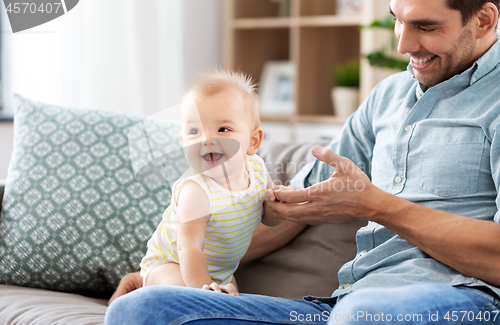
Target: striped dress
234,217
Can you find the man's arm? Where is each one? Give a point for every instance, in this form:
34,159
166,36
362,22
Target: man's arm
468,245
128,283
268,239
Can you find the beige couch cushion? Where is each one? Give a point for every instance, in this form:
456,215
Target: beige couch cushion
24,306
306,266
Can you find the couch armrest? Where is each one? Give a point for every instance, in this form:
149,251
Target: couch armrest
2,188
283,160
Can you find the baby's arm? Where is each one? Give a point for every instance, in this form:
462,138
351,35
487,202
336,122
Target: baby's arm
193,211
267,218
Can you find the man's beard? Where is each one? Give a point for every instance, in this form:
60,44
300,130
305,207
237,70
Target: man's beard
462,52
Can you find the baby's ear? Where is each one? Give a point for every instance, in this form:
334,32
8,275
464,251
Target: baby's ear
255,141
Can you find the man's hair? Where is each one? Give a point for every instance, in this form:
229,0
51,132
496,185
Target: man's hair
219,80
469,8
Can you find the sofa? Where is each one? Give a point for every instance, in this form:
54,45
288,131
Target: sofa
79,204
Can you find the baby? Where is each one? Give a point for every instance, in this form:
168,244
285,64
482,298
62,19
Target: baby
208,226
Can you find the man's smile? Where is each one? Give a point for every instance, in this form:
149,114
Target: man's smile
422,64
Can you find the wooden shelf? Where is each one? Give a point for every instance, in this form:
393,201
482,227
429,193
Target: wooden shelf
256,23
320,119
270,118
313,37
327,21
287,22
325,119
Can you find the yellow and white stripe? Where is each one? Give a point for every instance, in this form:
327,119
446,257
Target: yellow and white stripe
234,217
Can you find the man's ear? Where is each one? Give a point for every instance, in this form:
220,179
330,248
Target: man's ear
487,19
255,141
182,140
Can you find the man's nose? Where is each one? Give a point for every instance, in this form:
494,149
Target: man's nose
408,40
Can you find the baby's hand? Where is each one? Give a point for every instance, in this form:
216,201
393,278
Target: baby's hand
224,288
270,197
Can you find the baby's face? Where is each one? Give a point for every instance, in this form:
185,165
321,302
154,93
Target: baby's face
216,129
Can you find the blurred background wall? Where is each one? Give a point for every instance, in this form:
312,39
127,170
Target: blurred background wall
127,55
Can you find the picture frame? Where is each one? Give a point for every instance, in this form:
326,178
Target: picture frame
277,89
349,7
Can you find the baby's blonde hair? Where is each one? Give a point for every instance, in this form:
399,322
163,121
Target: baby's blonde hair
218,80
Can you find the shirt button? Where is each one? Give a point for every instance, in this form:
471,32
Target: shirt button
398,179
347,285
408,128
363,252
474,79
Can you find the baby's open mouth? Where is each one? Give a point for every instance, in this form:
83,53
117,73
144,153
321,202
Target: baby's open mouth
213,157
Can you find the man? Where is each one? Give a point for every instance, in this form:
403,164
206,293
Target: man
428,143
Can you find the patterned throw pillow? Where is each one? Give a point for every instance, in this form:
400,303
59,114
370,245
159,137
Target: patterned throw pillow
74,216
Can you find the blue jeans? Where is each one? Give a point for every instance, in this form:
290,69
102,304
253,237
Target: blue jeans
415,304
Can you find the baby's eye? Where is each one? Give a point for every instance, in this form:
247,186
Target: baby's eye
194,131
223,129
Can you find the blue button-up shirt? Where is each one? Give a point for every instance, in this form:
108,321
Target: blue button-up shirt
440,149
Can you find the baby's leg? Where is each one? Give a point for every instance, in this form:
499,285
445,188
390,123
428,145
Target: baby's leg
166,274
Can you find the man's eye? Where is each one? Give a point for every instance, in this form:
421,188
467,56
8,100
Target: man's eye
223,129
426,29
194,131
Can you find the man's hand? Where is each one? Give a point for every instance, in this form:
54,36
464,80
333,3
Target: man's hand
342,198
271,197
128,283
